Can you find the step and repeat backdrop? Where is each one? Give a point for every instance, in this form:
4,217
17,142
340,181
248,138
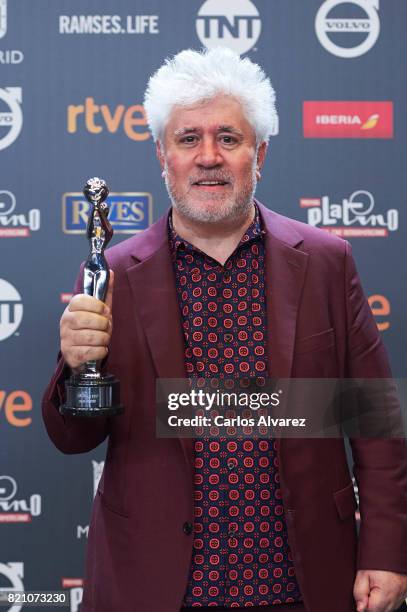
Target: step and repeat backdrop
72,79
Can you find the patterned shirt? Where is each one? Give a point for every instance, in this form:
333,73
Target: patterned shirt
241,556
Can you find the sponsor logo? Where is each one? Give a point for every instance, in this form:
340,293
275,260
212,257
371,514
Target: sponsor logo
82,531
129,212
361,31
14,574
75,586
13,403
14,225
66,297
99,117
333,119
352,218
380,307
108,24
228,23
9,56
14,510
3,18
11,309
11,116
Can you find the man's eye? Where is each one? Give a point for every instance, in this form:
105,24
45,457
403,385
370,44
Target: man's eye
228,140
190,139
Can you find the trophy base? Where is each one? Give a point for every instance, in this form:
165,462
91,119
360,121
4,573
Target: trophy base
92,397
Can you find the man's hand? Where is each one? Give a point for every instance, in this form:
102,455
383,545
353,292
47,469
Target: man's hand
379,591
86,328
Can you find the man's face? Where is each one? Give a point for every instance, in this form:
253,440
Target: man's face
210,160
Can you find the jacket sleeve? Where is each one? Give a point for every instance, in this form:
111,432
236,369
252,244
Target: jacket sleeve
70,434
380,465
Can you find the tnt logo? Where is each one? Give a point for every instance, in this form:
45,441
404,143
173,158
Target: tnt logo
11,309
228,23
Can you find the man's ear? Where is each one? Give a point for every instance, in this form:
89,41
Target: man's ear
160,153
261,154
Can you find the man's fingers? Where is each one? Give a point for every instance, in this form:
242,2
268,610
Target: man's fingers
361,591
81,301
87,338
109,295
86,320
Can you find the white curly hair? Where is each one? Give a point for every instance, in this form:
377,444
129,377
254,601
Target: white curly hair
191,77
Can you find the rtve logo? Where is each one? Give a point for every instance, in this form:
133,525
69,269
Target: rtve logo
11,309
97,118
228,23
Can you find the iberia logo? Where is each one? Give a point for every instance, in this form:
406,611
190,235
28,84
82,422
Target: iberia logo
333,119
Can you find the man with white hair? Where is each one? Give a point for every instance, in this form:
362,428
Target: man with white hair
222,287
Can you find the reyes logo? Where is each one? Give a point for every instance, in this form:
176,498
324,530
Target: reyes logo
11,118
13,573
11,309
228,23
14,510
14,225
361,31
355,119
352,218
129,212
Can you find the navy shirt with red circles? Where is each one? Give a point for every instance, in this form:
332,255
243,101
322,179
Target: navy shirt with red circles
241,556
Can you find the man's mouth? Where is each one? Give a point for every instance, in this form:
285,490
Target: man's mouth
210,183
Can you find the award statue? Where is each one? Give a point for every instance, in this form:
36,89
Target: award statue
89,392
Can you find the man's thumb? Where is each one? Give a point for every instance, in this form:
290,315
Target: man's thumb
361,591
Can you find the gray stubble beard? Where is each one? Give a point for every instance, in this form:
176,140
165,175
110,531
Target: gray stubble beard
230,210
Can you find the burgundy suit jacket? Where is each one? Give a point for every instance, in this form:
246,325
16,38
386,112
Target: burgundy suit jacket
319,325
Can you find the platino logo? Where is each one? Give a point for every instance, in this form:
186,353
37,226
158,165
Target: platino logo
353,218
3,18
368,27
14,573
11,309
16,510
16,225
12,118
228,23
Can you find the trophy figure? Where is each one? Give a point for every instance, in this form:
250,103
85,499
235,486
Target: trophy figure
89,392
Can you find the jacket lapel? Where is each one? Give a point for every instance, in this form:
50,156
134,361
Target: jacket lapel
285,274
153,287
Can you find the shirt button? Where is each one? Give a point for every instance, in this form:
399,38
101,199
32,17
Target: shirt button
187,528
232,528
231,464
227,277
228,337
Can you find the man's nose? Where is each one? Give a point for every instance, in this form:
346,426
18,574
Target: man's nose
209,154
